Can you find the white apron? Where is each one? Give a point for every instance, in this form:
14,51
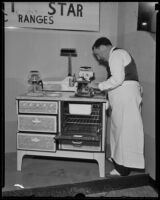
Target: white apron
126,132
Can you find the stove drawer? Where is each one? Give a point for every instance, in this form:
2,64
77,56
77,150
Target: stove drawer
79,145
44,107
36,142
36,123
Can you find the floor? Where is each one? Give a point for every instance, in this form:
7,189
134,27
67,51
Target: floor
144,191
42,172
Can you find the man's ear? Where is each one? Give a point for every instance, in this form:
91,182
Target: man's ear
102,48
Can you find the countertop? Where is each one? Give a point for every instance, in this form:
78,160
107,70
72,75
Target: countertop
61,96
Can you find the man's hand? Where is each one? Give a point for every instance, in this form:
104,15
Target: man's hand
93,85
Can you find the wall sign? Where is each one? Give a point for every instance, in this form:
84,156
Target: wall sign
53,15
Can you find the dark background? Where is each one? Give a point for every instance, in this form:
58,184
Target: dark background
147,14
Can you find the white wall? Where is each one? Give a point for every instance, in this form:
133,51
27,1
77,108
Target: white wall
27,49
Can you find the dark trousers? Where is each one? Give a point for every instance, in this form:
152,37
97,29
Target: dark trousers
124,171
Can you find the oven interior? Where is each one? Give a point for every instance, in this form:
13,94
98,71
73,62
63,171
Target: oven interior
87,127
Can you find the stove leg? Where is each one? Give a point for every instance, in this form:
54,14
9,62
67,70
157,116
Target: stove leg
100,157
20,155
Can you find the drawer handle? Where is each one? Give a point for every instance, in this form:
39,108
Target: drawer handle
76,143
78,136
35,140
36,121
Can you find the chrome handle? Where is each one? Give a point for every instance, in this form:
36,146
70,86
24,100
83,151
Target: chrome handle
36,121
35,140
78,136
76,143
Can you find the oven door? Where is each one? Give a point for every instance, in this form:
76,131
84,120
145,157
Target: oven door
81,127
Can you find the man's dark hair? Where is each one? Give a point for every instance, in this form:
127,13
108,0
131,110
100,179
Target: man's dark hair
101,41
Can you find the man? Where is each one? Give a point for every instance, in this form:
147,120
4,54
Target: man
124,94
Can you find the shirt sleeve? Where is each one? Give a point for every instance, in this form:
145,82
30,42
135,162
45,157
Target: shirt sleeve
116,64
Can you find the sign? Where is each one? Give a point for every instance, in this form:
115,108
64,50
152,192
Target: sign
53,15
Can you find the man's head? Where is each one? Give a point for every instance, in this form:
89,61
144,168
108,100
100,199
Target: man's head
101,49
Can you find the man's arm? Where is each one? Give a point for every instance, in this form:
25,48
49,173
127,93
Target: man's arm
116,65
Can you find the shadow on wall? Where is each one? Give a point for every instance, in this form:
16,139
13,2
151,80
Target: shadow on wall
142,46
13,88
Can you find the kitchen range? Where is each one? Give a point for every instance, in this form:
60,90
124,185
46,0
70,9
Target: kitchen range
69,123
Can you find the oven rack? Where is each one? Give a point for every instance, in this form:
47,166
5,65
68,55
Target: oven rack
82,120
92,130
94,113
74,137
